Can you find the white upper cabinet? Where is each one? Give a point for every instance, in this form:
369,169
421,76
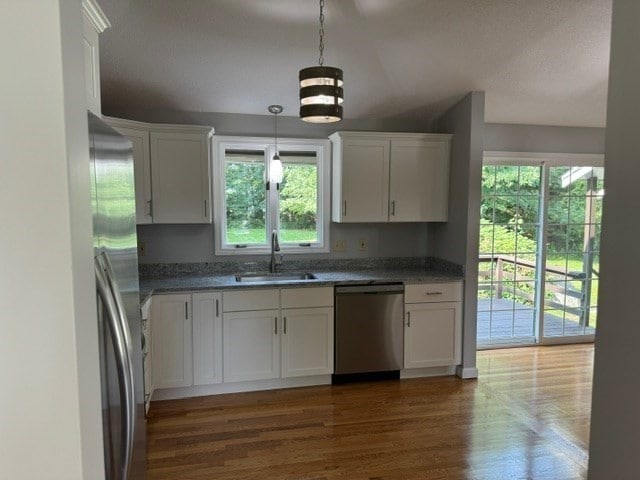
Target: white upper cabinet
180,177
390,177
361,179
419,181
94,23
172,171
142,172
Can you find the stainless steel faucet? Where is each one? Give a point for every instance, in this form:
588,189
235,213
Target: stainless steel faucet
275,247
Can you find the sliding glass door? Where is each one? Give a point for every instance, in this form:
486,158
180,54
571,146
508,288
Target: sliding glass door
539,242
572,256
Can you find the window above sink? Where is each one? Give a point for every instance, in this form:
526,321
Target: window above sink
248,208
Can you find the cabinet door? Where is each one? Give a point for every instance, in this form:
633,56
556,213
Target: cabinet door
141,171
433,334
180,177
172,341
365,181
207,338
251,345
419,181
307,342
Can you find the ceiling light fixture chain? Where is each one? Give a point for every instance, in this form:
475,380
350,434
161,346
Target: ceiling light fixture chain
321,46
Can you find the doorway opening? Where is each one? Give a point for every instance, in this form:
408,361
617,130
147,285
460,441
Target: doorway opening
540,222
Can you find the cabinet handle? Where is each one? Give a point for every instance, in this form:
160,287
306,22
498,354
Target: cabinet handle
205,208
186,310
150,208
285,325
393,208
345,208
433,293
409,319
217,308
275,325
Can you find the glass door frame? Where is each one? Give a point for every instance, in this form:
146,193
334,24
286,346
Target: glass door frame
545,161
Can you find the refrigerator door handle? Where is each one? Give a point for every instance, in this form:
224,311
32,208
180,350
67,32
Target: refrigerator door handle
115,290
118,326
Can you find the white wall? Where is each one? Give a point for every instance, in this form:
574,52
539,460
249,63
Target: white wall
50,405
615,423
457,239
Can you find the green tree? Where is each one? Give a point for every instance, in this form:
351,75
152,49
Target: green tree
299,196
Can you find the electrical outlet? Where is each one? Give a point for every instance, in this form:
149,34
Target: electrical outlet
362,244
340,246
142,249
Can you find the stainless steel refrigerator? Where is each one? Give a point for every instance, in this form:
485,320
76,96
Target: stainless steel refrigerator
119,322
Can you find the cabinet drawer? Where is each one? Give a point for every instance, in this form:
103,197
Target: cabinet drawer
246,300
307,297
433,292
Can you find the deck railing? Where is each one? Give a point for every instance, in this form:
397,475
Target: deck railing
505,276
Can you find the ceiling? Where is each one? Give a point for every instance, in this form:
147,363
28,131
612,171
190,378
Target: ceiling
539,61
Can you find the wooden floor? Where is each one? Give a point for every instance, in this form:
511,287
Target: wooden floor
526,417
501,319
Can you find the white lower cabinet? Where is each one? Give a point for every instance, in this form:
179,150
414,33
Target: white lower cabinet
291,335
172,341
433,331
207,338
251,345
307,342
204,339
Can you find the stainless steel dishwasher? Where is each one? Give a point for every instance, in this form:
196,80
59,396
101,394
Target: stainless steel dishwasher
369,329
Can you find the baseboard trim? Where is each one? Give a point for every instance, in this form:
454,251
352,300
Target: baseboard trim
236,387
466,372
428,372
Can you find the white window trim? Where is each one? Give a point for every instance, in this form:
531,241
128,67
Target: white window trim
323,149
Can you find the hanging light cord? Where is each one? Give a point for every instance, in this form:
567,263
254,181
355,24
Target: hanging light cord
321,47
276,134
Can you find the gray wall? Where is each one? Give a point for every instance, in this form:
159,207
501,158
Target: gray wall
537,138
457,240
615,421
262,125
194,243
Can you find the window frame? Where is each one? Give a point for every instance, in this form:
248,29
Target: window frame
323,152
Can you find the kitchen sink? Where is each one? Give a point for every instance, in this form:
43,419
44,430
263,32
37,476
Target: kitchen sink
273,277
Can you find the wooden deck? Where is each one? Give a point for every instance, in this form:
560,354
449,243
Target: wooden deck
497,320
526,417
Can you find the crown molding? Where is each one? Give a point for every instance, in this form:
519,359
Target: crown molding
158,127
95,15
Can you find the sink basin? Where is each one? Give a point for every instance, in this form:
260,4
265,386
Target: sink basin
273,277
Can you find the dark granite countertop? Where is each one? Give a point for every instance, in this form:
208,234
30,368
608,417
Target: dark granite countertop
204,282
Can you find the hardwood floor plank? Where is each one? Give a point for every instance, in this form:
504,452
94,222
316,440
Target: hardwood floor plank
526,417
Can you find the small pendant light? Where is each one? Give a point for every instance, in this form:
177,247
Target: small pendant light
321,93
276,173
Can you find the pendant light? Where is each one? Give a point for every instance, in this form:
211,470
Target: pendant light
276,172
321,93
